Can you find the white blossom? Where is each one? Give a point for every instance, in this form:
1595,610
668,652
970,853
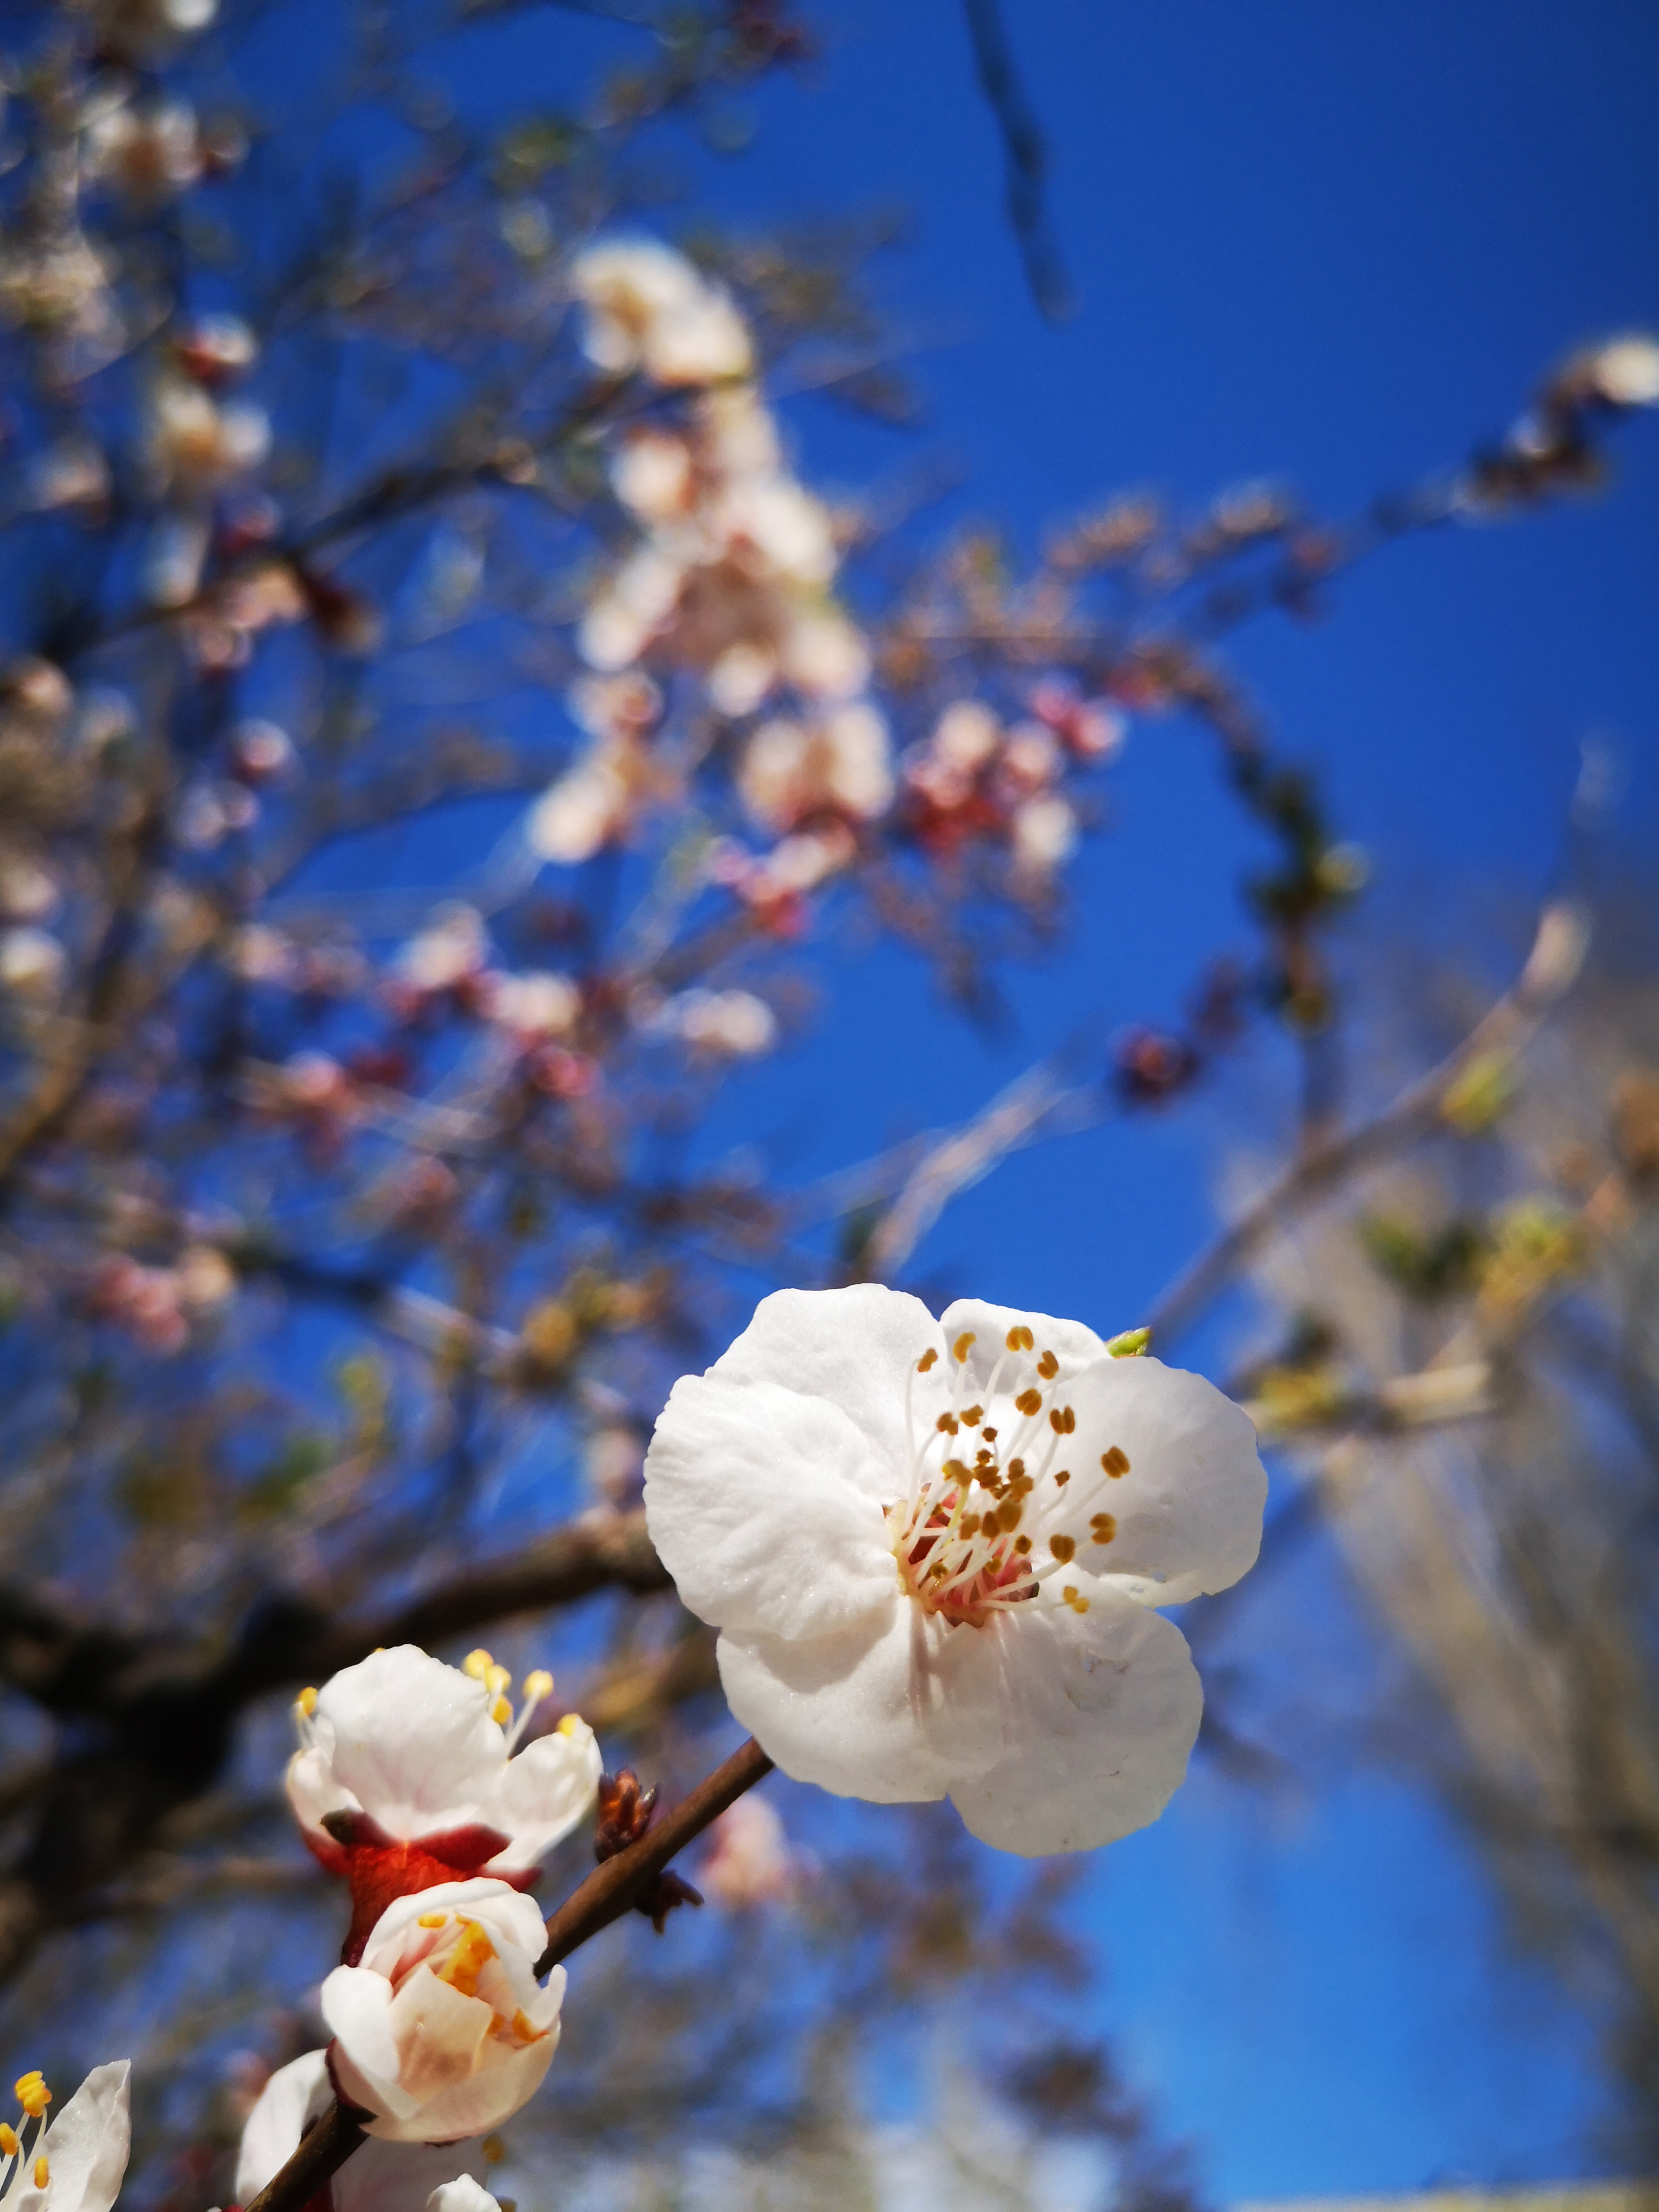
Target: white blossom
649,309
77,2161
381,2177
146,156
934,1550
839,763
401,1750
1044,833
1627,371
726,1025
451,948
195,442
537,1005
34,965
442,2030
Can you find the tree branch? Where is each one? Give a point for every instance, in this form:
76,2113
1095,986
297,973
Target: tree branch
1026,154
1553,963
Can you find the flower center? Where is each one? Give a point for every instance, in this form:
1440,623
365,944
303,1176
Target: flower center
992,1519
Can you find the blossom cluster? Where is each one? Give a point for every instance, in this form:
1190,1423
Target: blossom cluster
730,585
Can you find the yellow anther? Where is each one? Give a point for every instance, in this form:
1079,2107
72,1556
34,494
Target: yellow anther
946,1425
537,1685
1009,1513
471,1954
960,1349
1103,1527
1062,1420
1023,1546
501,1712
1064,1548
928,1359
970,1524
972,1418
497,1680
955,1469
42,2172
1115,1461
494,2148
1019,1339
34,2095
432,1920
477,1664
569,1723
1047,1367
989,1435
1063,1475
1030,1401
1077,1604
8,2141
1015,1468
306,1701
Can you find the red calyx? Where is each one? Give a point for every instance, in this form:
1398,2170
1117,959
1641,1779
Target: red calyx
380,1867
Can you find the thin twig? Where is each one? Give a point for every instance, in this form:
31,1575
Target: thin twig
610,1889
1552,966
1027,157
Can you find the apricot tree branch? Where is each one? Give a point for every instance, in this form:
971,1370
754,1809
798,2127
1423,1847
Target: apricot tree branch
1557,955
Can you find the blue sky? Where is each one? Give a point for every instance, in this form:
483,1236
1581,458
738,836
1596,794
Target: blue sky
1335,245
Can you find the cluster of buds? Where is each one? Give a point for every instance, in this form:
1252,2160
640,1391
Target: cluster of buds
1552,447
147,153
626,1812
732,574
158,1306
975,779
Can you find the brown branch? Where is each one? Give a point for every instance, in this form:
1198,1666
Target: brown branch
610,1889
320,2157
1556,956
606,1894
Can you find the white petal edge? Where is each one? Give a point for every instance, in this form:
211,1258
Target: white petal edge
1100,1713
854,1346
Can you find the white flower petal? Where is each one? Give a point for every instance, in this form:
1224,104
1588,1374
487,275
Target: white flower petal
1100,1712
765,1508
1072,1344
313,1792
874,1712
413,1740
356,2006
473,2107
854,1346
86,2146
1188,1510
463,2194
546,1792
295,2093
